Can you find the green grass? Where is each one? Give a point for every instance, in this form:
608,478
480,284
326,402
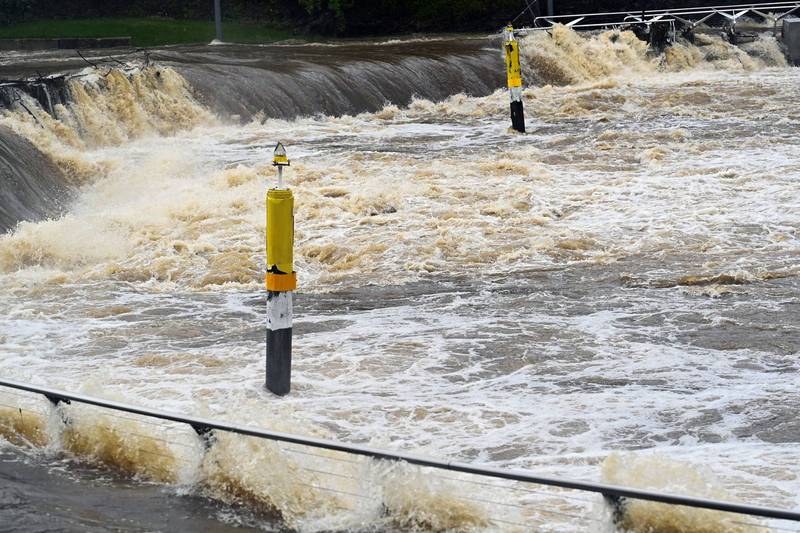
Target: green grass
146,31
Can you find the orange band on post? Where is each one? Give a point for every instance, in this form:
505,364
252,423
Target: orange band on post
281,282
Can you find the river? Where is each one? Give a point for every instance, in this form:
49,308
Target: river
613,296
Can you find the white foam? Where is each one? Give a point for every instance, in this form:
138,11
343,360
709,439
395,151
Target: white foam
148,287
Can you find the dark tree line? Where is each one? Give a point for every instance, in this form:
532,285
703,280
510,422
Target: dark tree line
335,17
342,17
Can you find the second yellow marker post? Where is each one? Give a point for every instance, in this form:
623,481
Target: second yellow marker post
514,72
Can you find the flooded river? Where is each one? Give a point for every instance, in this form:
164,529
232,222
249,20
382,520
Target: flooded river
613,296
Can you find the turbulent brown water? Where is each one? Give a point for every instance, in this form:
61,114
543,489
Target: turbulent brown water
612,296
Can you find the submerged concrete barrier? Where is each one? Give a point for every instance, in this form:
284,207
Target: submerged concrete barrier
67,43
791,38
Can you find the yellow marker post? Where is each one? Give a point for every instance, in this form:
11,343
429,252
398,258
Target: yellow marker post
281,279
280,233
514,73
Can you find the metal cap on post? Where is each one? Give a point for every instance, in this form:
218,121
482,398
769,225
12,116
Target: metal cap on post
279,158
281,279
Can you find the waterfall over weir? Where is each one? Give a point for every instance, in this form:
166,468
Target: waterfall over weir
287,81
65,102
290,80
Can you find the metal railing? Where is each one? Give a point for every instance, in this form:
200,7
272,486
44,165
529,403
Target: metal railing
204,427
688,18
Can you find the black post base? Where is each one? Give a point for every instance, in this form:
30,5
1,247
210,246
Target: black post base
279,361
517,117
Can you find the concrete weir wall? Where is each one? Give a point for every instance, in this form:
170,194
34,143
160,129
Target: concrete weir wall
62,44
791,38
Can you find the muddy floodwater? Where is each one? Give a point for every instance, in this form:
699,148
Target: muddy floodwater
614,296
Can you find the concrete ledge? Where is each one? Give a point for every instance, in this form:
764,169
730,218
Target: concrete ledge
28,44
791,38
64,43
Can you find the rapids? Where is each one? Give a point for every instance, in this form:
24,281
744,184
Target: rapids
612,296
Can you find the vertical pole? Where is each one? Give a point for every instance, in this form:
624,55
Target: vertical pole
279,342
514,72
281,280
218,19
550,8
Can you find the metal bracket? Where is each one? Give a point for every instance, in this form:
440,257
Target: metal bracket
56,402
206,434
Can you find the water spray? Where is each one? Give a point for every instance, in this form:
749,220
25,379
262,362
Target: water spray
281,279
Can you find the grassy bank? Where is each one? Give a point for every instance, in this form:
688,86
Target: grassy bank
145,31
